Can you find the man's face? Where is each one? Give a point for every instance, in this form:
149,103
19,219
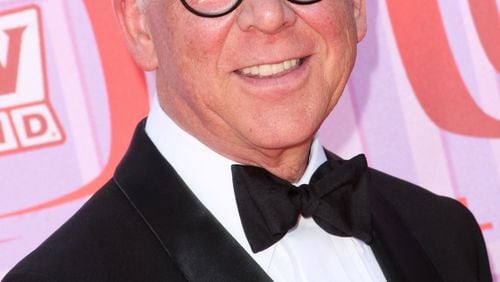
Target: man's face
264,76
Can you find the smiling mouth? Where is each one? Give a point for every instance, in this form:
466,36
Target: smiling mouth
271,70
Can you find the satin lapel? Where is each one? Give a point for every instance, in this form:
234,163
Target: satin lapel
398,252
192,237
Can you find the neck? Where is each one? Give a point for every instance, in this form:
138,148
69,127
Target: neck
288,164
282,158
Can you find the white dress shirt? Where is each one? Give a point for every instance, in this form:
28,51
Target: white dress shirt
306,253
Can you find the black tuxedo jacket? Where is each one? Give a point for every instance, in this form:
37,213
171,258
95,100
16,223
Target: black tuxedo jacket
146,225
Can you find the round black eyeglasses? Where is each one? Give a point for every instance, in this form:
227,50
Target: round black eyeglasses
219,8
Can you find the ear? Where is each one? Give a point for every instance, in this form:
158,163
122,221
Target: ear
360,18
132,19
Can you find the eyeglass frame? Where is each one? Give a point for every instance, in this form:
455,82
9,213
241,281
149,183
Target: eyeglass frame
235,5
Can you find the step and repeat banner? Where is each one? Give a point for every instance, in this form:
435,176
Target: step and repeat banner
423,104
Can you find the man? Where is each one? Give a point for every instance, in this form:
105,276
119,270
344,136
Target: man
250,82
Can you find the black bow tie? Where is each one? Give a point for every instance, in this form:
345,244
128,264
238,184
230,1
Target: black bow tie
336,199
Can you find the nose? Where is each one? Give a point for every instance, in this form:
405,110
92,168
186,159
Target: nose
267,16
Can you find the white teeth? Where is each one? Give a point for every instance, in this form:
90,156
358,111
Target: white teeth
254,70
270,69
246,71
265,70
278,68
287,65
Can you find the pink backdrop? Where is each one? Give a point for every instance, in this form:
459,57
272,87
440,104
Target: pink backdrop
423,103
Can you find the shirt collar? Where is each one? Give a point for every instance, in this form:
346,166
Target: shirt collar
208,174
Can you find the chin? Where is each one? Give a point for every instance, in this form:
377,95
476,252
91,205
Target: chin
282,138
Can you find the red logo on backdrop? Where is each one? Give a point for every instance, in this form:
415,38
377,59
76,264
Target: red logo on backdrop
27,120
432,70
125,88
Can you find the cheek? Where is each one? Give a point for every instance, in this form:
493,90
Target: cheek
328,16
202,39
189,49
185,39
334,22
198,50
